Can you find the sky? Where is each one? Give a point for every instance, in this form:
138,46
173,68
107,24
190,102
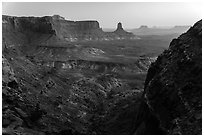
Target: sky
108,14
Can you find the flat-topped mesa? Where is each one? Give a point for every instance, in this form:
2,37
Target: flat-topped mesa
143,27
87,25
49,30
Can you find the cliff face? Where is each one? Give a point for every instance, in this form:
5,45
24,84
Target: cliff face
53,86
173,87
55,28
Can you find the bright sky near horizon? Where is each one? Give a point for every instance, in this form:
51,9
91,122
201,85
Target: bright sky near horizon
131,14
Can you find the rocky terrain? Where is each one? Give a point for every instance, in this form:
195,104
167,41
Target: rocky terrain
67,97
48,29
65,77
173,88
52,85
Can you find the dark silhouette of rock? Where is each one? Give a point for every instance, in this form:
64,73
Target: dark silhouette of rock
173,86
119,27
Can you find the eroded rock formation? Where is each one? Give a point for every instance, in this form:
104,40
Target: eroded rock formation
54,86
173,88
55,29
119,27
122,33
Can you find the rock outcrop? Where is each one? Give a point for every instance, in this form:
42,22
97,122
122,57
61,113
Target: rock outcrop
173,88
119,27
55,29
122,33
72,97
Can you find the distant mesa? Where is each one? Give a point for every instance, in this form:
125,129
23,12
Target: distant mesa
182,26
143,27
159,30
88,25
55,29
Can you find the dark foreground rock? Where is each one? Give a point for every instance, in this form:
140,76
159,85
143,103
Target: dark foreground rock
173,88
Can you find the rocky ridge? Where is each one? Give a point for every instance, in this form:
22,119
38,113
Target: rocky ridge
70,97
48,29
173,88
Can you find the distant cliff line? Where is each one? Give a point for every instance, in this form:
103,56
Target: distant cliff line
62,30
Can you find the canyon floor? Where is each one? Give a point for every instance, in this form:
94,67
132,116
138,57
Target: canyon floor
80,88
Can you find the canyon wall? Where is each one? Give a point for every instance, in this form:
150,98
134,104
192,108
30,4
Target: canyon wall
55,29
173,88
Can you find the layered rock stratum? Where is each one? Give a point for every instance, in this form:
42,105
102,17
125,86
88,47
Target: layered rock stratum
48,29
